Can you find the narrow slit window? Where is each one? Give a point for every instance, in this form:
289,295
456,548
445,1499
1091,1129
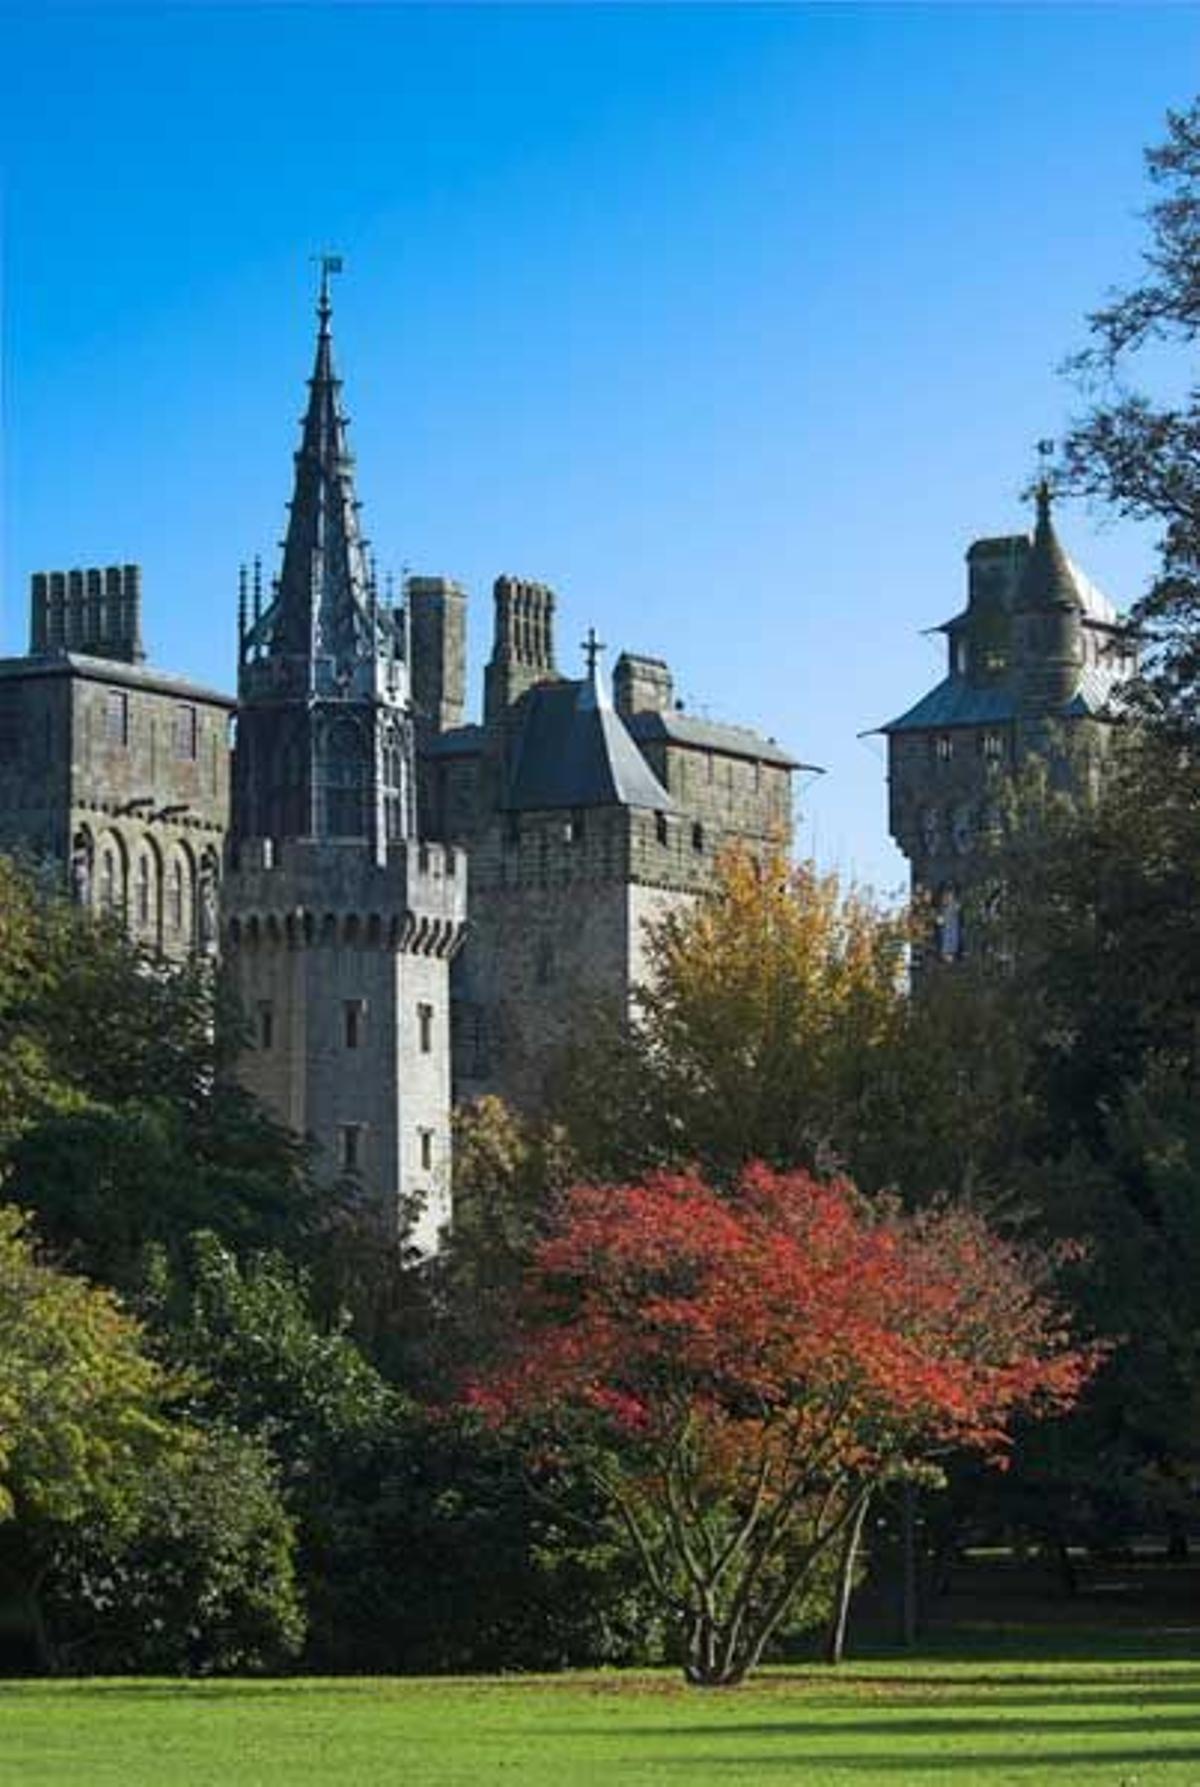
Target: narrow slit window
425,1028
354,1023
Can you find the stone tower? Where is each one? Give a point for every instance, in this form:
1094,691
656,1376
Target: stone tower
339,924
1034,659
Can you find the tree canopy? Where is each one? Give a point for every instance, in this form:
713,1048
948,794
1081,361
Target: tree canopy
749,1368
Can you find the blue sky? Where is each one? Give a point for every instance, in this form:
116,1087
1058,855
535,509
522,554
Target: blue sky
735,324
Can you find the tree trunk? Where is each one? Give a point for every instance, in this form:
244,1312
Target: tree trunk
908,1540
835,1646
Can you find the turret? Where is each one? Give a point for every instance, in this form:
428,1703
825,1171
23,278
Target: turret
1047,628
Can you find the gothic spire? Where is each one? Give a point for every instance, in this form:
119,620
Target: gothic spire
322,610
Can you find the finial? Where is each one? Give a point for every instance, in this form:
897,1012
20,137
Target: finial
257,589
329,264
241,609
592,647
1043,490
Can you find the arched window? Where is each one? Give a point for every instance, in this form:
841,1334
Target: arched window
108,879
177,897
144,896
344,774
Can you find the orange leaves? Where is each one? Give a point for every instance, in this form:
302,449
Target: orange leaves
792,1312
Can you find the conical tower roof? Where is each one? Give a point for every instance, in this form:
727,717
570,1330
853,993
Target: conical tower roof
1047,580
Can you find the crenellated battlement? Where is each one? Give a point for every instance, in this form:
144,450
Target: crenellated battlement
302,893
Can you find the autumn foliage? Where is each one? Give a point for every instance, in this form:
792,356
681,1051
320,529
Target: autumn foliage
742,1371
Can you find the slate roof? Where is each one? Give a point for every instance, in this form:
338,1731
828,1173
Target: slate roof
457,741
114,670
955,702
654,726
574,751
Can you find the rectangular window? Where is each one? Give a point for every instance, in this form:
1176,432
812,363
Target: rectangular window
425,1028
116,717
943,747
992,745
351,1138
426,1149
185,730
266,1027
354,1024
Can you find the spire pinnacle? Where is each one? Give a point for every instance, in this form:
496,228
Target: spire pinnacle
1047,580
330,264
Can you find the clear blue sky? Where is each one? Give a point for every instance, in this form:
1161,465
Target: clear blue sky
735,324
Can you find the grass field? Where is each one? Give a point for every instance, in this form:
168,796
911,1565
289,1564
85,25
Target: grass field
1086,1723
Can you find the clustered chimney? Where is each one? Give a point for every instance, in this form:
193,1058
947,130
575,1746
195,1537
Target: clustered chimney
97,612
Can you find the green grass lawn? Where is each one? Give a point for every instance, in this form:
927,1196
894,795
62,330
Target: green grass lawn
1095,1723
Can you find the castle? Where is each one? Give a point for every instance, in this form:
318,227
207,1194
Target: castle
412,905
409,905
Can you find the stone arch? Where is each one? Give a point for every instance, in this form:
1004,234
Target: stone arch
147,914
179,898
83,866
207,898
344,775
112,873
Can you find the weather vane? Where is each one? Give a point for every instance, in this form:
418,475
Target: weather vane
329,264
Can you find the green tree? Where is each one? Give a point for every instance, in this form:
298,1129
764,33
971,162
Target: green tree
1140,455
84,1411
204,1583
769,1003
121,1121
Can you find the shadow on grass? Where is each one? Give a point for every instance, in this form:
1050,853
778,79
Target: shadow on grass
934,1727
980,1764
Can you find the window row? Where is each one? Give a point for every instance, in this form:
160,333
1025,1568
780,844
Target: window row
352,1147
990,743
353,1025
184,724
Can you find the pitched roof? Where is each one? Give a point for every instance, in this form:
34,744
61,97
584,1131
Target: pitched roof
707,735
114,671
956,702
572,750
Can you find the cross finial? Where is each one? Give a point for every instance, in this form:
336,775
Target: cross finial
592,647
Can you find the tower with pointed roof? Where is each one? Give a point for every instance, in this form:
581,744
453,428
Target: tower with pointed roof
1033,663
585,817
339,922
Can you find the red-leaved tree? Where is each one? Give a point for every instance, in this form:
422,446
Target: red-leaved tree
738,1374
